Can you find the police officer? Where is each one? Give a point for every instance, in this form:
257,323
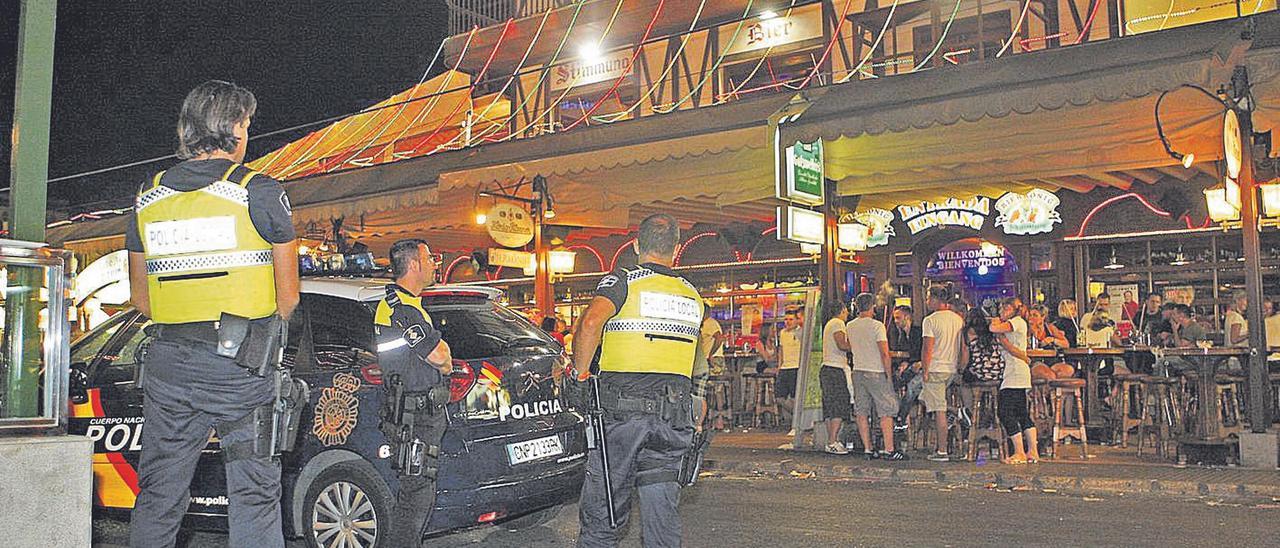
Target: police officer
211,237
415,360
650,318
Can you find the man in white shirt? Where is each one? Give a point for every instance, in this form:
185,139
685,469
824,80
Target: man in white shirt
872,377
788,362
939,360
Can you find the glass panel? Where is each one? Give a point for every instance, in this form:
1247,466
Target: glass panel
475,334
34,329
87,348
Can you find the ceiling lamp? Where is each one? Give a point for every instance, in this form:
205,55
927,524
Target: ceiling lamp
1113,263
811,249
1220,208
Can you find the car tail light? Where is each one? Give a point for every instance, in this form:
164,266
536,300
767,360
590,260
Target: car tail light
489,517
372,373
460,381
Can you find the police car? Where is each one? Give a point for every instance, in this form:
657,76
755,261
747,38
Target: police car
513,451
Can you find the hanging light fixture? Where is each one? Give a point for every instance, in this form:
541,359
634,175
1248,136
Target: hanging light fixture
1219,204
852,236
1113,263
1270,198
562,262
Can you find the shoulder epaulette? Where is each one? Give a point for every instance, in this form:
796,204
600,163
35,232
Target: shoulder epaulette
393,297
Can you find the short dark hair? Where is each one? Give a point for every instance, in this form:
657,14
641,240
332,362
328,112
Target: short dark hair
1169,305
1101,296
864,302
941,293
659,234
209,115
903,309
404,252
1184,310
831,310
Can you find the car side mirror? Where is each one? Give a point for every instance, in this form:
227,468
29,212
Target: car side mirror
78,387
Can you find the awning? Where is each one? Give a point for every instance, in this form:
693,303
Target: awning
1074,117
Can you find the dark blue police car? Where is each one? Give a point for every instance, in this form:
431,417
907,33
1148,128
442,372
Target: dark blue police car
514,451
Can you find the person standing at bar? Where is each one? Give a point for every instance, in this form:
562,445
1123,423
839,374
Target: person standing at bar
872,378
646,321
211,237
1015,411
788,364
939,357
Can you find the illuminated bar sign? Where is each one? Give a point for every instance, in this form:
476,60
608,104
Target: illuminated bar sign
797,224
1032,213
971,213
771,30
510,257
877,222
592,70
799,175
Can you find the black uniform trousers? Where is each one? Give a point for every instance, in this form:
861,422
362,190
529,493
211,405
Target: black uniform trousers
188,391
416,495
644,454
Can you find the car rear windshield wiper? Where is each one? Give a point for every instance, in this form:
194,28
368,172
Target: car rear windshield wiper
524,342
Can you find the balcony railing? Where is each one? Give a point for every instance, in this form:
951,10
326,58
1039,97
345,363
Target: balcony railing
466,14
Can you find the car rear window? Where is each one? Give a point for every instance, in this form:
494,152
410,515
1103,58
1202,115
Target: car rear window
487,331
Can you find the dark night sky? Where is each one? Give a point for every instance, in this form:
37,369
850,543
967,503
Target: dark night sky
121,69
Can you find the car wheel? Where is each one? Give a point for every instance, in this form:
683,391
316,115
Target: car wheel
533,519
349,506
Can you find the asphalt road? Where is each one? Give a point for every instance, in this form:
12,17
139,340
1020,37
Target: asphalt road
798,512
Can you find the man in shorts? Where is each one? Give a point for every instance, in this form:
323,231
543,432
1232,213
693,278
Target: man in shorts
872,377
938,361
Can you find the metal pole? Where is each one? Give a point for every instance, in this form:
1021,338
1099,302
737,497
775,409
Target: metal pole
830,279
1259,385
29,173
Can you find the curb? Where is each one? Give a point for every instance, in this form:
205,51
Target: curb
1071,484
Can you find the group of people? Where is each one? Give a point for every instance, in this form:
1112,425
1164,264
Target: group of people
870,366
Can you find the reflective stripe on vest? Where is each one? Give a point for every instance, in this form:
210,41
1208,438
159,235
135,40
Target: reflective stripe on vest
657,329
203,254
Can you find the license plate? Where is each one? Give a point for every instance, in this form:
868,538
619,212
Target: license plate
526,451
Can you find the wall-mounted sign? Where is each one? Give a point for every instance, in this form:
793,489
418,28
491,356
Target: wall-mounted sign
509,257
774,30
878,225
1231,143
968,258
797,224
510,225
971,213
581,72
106,278
1032,213
799,173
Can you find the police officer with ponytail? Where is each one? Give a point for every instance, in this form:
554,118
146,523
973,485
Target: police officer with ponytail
212,246
415,362
646,321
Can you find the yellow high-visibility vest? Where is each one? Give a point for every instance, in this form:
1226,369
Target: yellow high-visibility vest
657,328
204,256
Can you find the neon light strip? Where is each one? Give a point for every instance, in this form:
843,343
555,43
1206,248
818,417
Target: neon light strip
688,34
501,93
657,12
618,254
1088,24
596,254
1108,202
546,71
767,52
479,77
938,46
706,76
688,243
448,272
888,19
296,166
1016,29
835,35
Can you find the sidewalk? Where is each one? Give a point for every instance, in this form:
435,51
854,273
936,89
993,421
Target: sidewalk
1109,470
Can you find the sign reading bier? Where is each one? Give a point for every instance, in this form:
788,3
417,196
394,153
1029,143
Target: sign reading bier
971,213
773,30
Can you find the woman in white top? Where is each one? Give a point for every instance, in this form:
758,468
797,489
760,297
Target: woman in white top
1236,328
834,374
1015,413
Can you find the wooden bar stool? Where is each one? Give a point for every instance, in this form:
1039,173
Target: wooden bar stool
1042,407
1228,392
720,402
1161,410
986,418
763,406
1125,404
1062,430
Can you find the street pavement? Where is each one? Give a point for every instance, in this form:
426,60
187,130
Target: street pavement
784,511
